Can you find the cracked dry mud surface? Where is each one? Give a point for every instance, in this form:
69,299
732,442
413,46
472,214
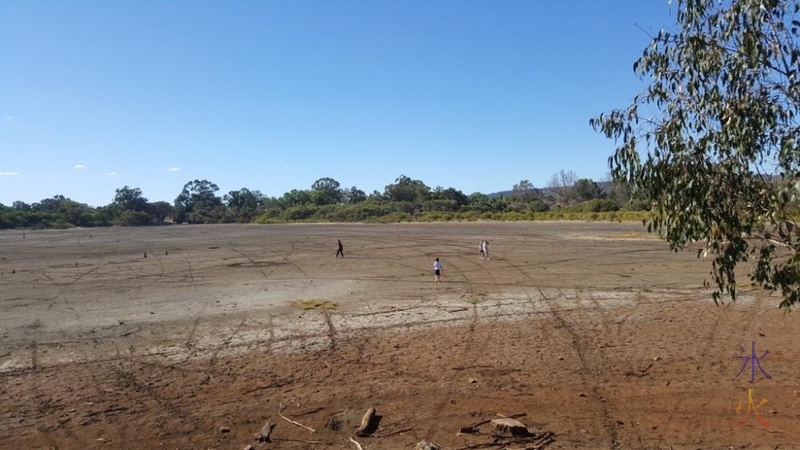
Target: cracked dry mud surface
596,331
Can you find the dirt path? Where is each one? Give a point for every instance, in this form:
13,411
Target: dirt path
596,331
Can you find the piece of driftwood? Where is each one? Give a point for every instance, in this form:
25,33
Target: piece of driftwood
474,427
280,414
509,427
357,444
368,423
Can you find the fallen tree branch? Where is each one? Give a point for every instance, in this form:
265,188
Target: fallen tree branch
771,240
357,444
474,427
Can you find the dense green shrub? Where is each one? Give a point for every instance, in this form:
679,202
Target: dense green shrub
593,205
134,219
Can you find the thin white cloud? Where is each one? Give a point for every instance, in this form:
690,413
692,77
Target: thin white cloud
112,174
174,169
79,166
287,168
52,173
9,117
8,174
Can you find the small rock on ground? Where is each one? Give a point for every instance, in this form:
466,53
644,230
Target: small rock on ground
425,445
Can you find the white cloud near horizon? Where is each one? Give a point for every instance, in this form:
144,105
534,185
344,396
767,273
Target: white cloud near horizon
8,174
79,166
9,117
174,169
112,174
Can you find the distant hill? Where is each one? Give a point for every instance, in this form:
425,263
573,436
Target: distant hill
605,187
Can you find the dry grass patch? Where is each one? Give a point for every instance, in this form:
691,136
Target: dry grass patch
307,305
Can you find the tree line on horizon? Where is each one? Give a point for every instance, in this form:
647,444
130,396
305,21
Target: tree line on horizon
405,200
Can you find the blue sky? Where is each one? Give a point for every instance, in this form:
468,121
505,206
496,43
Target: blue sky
270,95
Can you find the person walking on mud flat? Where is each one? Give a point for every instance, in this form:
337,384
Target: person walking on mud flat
485,249
437,271
340,248
480,246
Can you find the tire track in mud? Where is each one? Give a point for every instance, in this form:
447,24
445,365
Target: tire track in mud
475,297
598,309
249,258
190,272
284,260
154,255
226,343
191,348
579,346
331,330
321,337
712,337
66,287
292,251
129,381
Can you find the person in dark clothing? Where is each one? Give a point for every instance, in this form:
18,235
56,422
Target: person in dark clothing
340,250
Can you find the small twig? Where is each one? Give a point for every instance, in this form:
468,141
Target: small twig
311,411
301,440
396,432
296,423
385,311
457,310
269,386
356,442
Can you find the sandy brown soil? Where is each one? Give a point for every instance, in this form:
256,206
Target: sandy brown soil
597,332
